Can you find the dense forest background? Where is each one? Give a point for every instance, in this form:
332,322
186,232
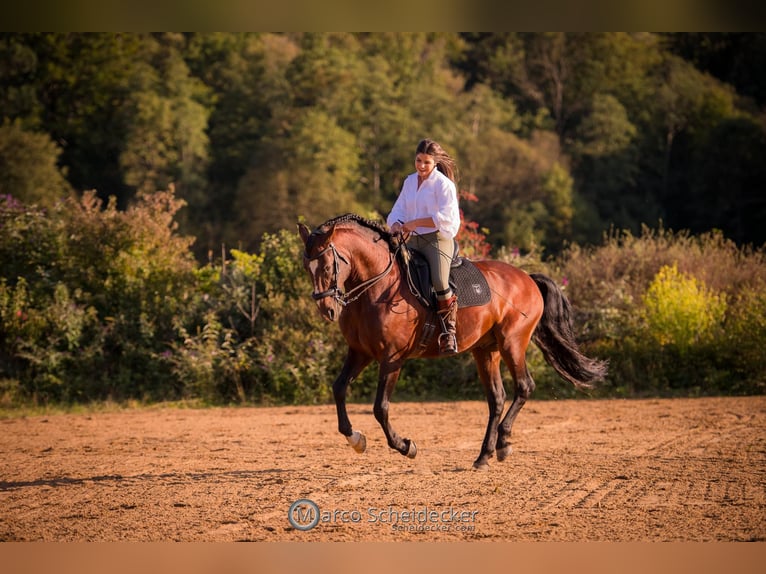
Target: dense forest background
147,182
559,136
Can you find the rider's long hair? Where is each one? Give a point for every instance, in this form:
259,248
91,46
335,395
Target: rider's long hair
444,162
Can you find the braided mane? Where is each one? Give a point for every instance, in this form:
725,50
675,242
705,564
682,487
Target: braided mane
374,226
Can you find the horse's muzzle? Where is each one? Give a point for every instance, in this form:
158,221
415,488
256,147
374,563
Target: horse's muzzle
329,309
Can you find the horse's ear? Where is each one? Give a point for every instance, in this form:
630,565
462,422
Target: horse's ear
304,231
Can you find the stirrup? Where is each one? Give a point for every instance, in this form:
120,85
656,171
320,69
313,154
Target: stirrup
447,344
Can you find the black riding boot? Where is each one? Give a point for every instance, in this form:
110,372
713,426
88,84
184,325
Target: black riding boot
448,313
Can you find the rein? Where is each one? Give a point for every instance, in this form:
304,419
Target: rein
353,294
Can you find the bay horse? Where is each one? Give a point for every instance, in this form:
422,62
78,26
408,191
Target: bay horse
358,282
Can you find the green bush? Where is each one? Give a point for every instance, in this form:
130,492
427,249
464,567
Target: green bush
262,339
672,312
743,340
90,297
97,303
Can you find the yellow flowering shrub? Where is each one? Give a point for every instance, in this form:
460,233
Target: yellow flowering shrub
680,309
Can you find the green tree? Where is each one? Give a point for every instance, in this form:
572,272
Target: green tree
245,74
592,89
312,170
606,162
167,141
28,166
688,107
525,195
728,182
220,114
559,73
482,113
82,83
734,58
18,90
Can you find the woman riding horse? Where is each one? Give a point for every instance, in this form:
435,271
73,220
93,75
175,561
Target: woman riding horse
427,208
357,281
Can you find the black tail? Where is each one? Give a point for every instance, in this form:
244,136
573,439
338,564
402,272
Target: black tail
555,337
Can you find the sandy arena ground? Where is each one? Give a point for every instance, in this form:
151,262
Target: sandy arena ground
588,470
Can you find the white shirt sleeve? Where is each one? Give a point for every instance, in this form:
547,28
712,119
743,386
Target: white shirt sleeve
399,211
446,213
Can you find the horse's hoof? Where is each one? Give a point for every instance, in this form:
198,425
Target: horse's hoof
412,450
480,465
357,441
503,453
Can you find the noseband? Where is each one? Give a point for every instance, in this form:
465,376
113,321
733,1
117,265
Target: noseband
336,292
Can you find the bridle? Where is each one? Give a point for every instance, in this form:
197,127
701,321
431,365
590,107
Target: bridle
336,292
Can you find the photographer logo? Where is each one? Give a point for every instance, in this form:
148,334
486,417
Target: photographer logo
303,514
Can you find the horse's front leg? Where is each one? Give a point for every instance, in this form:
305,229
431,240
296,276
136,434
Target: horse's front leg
388,375
353,365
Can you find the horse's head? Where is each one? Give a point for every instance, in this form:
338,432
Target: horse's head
328,269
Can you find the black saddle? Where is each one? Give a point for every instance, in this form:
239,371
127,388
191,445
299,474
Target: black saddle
465,279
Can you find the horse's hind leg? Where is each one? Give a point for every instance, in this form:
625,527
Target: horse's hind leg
515,358
488,365
354,364
389,374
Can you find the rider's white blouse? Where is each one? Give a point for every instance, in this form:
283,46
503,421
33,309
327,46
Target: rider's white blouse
436,198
